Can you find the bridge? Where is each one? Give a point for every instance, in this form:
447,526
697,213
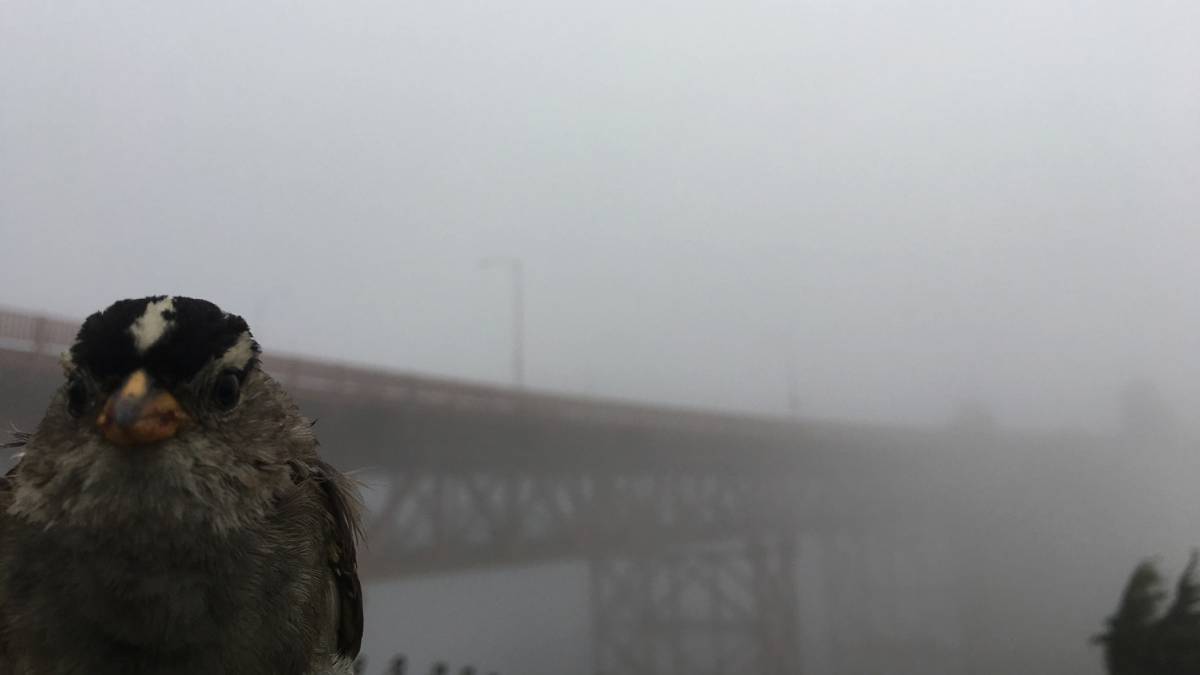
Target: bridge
694,524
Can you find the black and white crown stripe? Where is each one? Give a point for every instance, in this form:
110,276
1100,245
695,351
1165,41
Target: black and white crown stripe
157,320
241,354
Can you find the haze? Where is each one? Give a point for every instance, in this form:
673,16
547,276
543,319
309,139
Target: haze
914,204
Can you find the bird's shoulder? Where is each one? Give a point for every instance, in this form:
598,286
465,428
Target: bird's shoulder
335,498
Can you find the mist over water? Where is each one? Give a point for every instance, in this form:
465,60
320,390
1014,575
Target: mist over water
973,219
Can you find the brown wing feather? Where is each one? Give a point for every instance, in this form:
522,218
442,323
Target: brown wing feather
343,511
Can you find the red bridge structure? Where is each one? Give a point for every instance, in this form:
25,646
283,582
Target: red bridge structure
720,544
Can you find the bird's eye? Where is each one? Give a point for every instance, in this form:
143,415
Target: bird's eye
227,390
77,396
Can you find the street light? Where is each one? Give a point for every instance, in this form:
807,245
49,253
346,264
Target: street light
517,271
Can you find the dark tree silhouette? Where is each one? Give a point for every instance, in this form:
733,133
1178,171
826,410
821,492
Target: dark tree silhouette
1177,638
1143,640
1127,642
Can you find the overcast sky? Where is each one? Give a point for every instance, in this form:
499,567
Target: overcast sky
922,201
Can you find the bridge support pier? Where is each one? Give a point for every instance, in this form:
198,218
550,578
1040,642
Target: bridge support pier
721,609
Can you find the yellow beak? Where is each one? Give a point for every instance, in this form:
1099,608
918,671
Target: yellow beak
139,413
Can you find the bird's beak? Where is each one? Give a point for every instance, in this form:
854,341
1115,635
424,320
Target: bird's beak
140,413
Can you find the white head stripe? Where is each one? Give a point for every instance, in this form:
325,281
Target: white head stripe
151,325
239,355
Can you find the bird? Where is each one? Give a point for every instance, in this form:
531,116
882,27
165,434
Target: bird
171,513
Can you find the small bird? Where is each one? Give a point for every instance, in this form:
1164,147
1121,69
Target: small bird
170,514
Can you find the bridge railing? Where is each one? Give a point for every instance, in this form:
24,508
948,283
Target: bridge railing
39,334
25,332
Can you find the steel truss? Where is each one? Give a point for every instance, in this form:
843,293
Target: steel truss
718,609
447,520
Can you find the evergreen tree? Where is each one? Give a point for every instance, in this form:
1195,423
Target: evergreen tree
1129,641
1177,635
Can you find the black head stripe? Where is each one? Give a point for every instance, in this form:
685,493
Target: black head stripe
171,337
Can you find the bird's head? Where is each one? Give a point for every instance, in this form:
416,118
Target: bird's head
144,370
163,409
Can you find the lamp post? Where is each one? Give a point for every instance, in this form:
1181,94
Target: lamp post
517,274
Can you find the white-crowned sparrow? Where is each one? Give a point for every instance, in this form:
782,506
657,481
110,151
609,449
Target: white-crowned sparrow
170,514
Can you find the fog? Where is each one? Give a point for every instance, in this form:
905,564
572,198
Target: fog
884,212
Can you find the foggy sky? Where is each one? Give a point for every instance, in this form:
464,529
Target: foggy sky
924,202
